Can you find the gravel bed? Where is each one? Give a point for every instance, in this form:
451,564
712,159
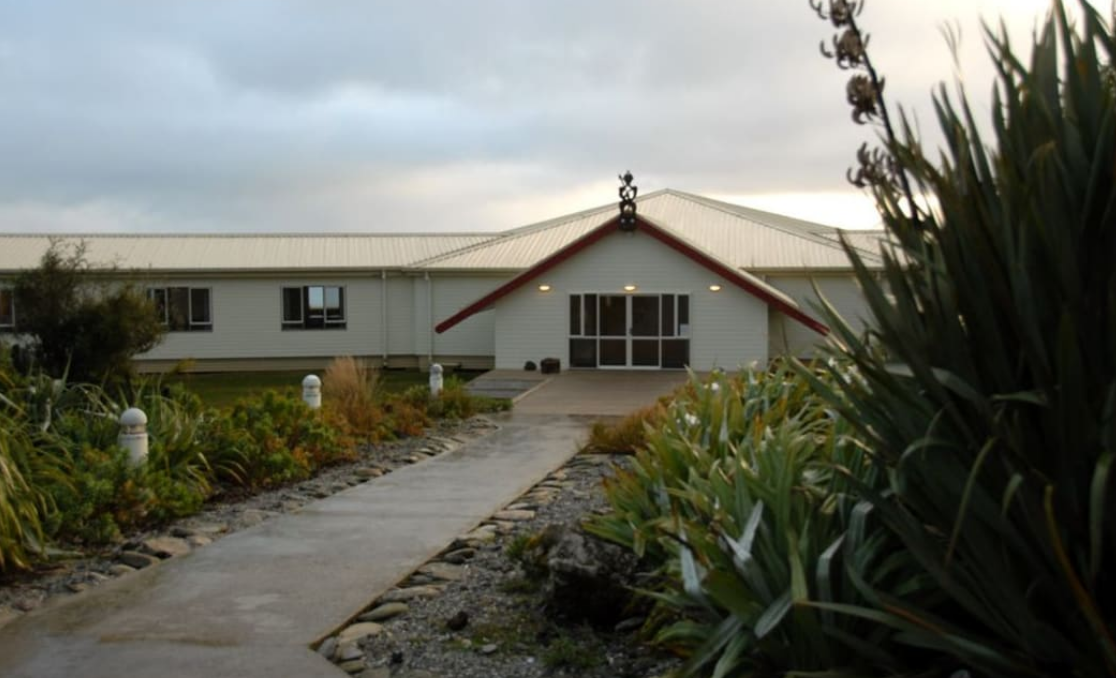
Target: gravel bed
221,516
471,612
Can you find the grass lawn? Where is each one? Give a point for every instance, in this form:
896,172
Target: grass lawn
221,389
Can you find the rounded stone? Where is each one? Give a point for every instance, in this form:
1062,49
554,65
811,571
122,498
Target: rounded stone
351,667
384,612
358,631
165,547
443,571
410,593
136,559
328,647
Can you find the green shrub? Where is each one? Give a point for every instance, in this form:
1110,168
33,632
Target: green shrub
988,385
454,402
273,439
102,496
743,497
62,475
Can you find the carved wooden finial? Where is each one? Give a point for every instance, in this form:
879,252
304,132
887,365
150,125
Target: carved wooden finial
628,194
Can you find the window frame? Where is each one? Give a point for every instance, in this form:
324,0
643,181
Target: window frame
9,292
330,315
189,324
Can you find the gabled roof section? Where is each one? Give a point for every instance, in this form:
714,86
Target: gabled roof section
523,247
242,253
741,237
741,279
867,241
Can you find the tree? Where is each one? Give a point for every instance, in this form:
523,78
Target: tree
82,323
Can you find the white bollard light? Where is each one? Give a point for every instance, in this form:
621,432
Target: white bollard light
312,391
436,381
133,435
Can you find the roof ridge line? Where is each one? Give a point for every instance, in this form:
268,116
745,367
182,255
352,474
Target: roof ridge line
581,214
528,229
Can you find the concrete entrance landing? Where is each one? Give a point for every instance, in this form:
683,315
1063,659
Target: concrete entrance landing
506,383
600,393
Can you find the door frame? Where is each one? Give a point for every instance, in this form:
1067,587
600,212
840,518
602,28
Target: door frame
628,337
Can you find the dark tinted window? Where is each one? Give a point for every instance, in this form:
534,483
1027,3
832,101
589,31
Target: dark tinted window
199,306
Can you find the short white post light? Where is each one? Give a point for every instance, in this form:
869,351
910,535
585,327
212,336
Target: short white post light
436,381
133,435
312,391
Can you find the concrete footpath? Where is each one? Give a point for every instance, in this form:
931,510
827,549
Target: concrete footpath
252,603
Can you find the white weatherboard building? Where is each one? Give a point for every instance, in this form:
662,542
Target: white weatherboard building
697,283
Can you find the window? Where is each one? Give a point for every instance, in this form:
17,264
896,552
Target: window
7,309
313,307
183,309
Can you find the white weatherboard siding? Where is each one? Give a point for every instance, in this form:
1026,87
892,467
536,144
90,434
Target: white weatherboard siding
728,328
841,290
401,315
247,322
474,336
450,292
247,319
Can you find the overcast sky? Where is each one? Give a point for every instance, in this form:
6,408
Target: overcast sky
331,115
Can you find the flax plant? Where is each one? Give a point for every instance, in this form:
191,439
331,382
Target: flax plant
27,463
989,379
742,498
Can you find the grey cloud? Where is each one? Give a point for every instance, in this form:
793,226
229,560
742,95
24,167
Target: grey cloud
260,114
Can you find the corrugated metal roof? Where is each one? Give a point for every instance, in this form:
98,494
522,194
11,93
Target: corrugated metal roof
523,247
242,252
739,236
871,242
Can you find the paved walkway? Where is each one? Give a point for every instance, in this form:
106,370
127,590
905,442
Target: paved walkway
252,603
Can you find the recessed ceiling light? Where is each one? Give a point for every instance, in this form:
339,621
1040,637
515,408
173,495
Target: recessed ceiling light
629,288
544,288
714,288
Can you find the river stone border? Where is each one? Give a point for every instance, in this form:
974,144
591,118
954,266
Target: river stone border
343,647
445,609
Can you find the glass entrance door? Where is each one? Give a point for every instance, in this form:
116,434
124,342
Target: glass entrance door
613,343
644,326
642,331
